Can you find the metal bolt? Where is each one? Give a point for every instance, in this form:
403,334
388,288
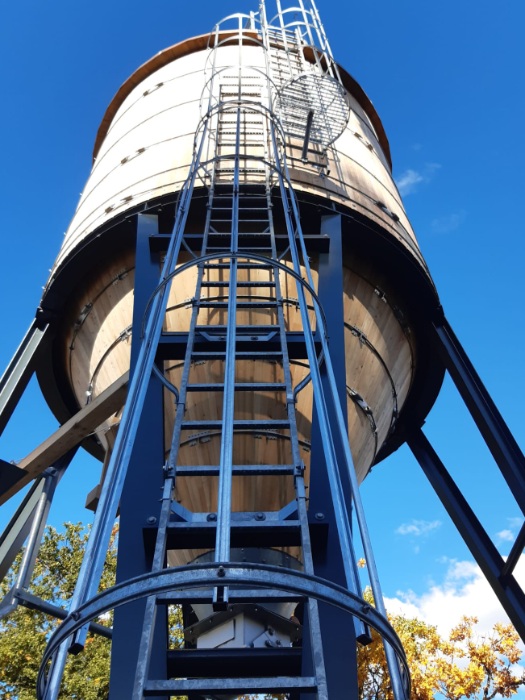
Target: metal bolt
75,615
260,516
211,517
221,572
151,520
319,516
366,608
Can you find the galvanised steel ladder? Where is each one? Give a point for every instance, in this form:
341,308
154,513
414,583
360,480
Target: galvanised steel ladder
239,240
245,177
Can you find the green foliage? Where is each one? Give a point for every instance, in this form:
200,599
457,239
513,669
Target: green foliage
24,634
463,665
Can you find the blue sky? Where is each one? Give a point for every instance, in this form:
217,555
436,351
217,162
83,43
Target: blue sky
446,79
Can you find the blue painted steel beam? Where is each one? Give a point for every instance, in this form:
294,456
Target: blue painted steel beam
340,661
20,370
140,497
488,419
173,345
491,563
314,243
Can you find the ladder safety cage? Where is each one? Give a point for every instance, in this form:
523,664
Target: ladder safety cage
239,313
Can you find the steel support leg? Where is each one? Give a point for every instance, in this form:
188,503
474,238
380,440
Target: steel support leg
483,550
488,419
30,519
340,658
141,494
20,370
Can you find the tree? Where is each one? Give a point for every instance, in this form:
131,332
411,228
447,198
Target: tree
466,664
23,634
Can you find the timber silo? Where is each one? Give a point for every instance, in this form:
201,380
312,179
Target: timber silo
142,157
264,139
241,242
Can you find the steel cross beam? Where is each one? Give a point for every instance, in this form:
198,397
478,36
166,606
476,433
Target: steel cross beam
491,563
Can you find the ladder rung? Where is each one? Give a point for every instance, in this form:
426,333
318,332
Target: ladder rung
239,305
241,266
231,686
241,209
241,249
244,330
203,595
226,284
269,424
240,386
243,220
245,196
239,355
238,470
242,170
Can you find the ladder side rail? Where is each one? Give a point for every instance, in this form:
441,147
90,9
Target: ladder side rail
340,508
142,671
324,44
183,387
222,543
309,22
343,519
300,490
306,22
151,609
138,386
284,37
400,689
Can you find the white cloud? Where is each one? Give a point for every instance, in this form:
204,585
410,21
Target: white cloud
408,181
464,591
515,523
448,223
509,533
417,528
505,536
